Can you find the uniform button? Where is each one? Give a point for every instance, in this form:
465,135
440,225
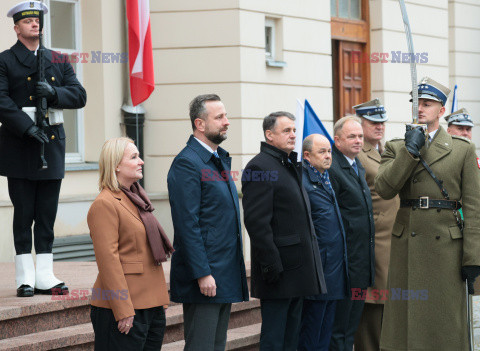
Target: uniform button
52,137
31,98
415,180
53,79
29,79
414,234
437,237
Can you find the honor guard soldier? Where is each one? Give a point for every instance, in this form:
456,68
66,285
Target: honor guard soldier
374,116
460,123
433,251
33,189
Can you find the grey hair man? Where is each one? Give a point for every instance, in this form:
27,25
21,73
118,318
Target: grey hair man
353,196
286,263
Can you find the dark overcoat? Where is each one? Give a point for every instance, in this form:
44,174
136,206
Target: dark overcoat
355,204
327,221
277,218
206,220
426,309
384,213
19,154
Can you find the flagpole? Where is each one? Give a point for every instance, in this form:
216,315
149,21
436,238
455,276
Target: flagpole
133,116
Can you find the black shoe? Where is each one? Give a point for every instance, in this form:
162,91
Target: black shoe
25,291
59,289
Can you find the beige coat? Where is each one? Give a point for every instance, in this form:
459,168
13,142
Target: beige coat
384,213
128,278
428,249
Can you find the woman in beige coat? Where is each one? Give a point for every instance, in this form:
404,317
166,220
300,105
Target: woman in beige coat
128,296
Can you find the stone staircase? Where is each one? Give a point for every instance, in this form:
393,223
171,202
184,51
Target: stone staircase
63,323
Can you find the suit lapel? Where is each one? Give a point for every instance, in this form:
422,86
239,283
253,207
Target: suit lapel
371,152
440,147
25,56
127,204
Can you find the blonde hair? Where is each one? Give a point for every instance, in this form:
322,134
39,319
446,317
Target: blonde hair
110,157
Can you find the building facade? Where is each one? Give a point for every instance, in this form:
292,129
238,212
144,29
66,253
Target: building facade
259,56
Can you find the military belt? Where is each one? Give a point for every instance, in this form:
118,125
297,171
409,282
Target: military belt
424,203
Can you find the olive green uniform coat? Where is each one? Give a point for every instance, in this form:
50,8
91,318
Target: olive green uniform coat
427,248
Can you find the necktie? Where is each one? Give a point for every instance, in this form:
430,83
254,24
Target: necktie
218,163
355,168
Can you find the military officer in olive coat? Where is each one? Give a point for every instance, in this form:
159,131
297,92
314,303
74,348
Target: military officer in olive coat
430,255
34,192
373,117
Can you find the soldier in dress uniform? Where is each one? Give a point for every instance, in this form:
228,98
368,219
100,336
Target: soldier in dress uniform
33,191
432,251
460,123
374,116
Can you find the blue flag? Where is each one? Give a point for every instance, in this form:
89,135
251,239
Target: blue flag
455,100
312,124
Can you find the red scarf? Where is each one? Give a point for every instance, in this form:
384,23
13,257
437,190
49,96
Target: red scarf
158,240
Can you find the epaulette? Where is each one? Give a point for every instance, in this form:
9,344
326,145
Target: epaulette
461,138
397,139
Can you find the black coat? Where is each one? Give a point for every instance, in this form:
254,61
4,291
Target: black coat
277,218
355,202
20,155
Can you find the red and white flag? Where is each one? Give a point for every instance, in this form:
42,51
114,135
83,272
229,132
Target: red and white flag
140,54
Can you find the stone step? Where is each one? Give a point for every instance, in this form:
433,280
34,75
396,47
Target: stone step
80,336
77,337
245,338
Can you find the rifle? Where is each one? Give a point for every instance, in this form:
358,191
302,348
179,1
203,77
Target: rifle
41,103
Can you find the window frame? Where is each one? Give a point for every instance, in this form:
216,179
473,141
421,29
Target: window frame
270,23
79,156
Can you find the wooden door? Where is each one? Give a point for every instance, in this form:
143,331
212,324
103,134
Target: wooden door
351,77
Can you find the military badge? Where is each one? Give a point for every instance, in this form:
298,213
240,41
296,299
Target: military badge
32,4
478,162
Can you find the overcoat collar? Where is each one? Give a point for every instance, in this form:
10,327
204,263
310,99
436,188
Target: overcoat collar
312,175
126,203
342,162
206,155
440,147
371,152
27,58
315,177
279,154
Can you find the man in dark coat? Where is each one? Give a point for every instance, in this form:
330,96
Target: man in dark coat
208,271
286,262
353,196
319,310
33,191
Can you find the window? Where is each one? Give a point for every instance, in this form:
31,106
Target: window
269,39
350,9
273,42
63,34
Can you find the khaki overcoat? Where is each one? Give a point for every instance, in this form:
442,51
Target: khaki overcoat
426,308
384,213
128,278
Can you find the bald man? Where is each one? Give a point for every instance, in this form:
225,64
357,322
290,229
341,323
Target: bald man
319,311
